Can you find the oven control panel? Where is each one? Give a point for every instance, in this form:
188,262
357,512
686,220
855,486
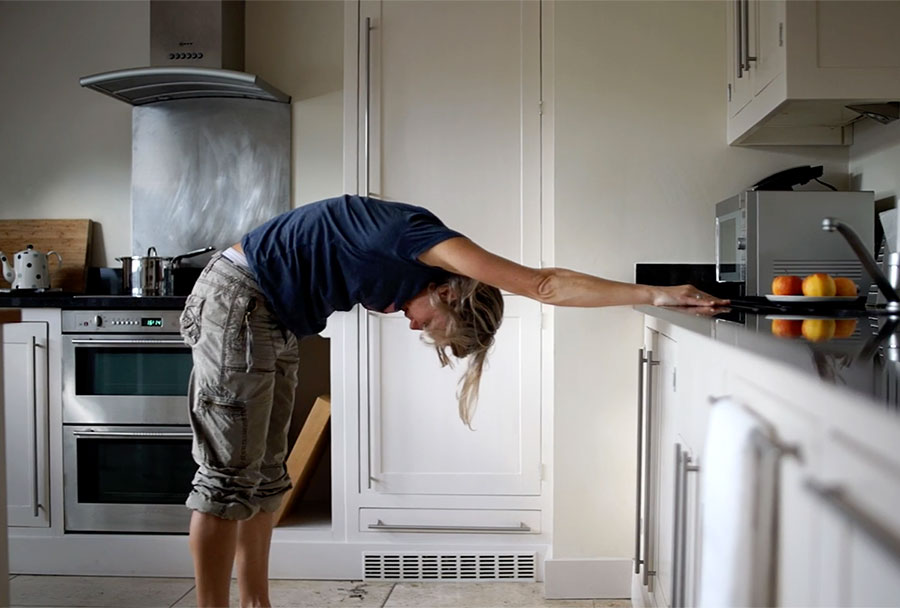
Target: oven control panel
121,321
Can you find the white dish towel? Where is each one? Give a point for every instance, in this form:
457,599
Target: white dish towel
733,490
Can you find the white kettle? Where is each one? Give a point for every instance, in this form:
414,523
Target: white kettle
30,269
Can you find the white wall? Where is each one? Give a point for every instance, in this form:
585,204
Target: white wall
640,162
299,48
66,151
875,160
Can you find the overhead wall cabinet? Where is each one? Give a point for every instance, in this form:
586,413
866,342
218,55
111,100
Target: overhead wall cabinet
26,408
444,111
794,66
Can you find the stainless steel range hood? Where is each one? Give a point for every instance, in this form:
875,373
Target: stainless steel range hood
197,50
139,86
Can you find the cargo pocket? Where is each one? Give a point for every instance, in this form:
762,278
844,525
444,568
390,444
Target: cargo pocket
190,319
240,336
221,432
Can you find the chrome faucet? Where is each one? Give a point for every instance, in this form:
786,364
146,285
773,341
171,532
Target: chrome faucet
887,286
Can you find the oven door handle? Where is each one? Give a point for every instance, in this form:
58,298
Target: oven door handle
110,341
130,434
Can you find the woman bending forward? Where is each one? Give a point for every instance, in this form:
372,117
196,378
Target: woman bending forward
281,282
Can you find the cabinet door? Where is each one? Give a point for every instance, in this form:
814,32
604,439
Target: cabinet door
740,88
767,36
418,444
856,499
25,400
451,117
667,413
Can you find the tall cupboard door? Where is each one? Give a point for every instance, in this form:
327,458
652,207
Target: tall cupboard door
417,442
450,115
26,410
449,118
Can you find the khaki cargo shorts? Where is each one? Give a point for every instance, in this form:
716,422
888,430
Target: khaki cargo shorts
241,393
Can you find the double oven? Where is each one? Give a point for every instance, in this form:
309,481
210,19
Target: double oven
126,435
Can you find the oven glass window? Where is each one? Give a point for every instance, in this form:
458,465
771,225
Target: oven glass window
132,371
136,470
728,245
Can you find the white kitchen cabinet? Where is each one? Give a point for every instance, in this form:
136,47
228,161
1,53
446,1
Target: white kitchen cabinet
446,114
669,507
855,498
26,400
793,66
796,546
417,443
838,531
450,115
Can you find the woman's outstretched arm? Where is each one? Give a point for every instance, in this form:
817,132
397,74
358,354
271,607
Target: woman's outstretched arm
558,286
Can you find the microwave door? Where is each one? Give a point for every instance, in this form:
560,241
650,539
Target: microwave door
731,247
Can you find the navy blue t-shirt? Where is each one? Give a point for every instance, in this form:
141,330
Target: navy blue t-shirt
333,254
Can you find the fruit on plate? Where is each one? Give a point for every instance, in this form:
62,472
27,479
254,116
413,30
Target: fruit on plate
845,287
818,330
844,328
787,285
819,285
787,328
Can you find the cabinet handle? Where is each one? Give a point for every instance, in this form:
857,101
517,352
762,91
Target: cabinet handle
31,372
380,525
676,526
640,453
880,532
683,466
648,557
738,40
368,98
746,36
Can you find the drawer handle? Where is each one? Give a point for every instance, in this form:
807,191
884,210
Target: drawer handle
380,525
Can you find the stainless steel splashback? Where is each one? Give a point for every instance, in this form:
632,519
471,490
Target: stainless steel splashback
205,171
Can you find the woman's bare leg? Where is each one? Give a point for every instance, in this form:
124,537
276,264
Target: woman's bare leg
254,538
212,541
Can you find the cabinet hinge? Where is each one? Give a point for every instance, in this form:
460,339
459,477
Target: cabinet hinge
674,379
542,471
541,107
781,34
729,92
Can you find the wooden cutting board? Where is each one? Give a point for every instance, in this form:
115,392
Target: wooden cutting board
69,238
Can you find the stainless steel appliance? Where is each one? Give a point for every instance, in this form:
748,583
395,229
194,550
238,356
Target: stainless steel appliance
126,437
761,234
211,145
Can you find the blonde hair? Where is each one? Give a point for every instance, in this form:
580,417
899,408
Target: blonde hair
474,311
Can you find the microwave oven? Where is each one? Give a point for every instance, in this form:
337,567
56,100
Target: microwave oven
763,234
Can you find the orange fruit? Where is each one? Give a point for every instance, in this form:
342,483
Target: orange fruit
844,328
818,330
787,328
819,285
845,287
787,285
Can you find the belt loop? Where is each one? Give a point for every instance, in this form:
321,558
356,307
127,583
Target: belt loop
248,356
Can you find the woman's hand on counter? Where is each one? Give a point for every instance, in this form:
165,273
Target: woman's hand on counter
685,295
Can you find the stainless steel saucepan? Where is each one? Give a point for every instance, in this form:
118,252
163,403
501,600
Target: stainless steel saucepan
153,275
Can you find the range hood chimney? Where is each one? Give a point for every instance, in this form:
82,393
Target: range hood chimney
196,50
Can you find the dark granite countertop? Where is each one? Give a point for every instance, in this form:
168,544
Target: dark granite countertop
862,355
72,301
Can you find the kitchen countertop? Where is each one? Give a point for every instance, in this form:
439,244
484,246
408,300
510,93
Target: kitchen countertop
72,301
867,361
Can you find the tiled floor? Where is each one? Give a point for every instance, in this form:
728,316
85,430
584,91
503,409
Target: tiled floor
122,592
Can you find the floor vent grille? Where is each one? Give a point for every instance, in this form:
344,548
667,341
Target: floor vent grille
449,566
